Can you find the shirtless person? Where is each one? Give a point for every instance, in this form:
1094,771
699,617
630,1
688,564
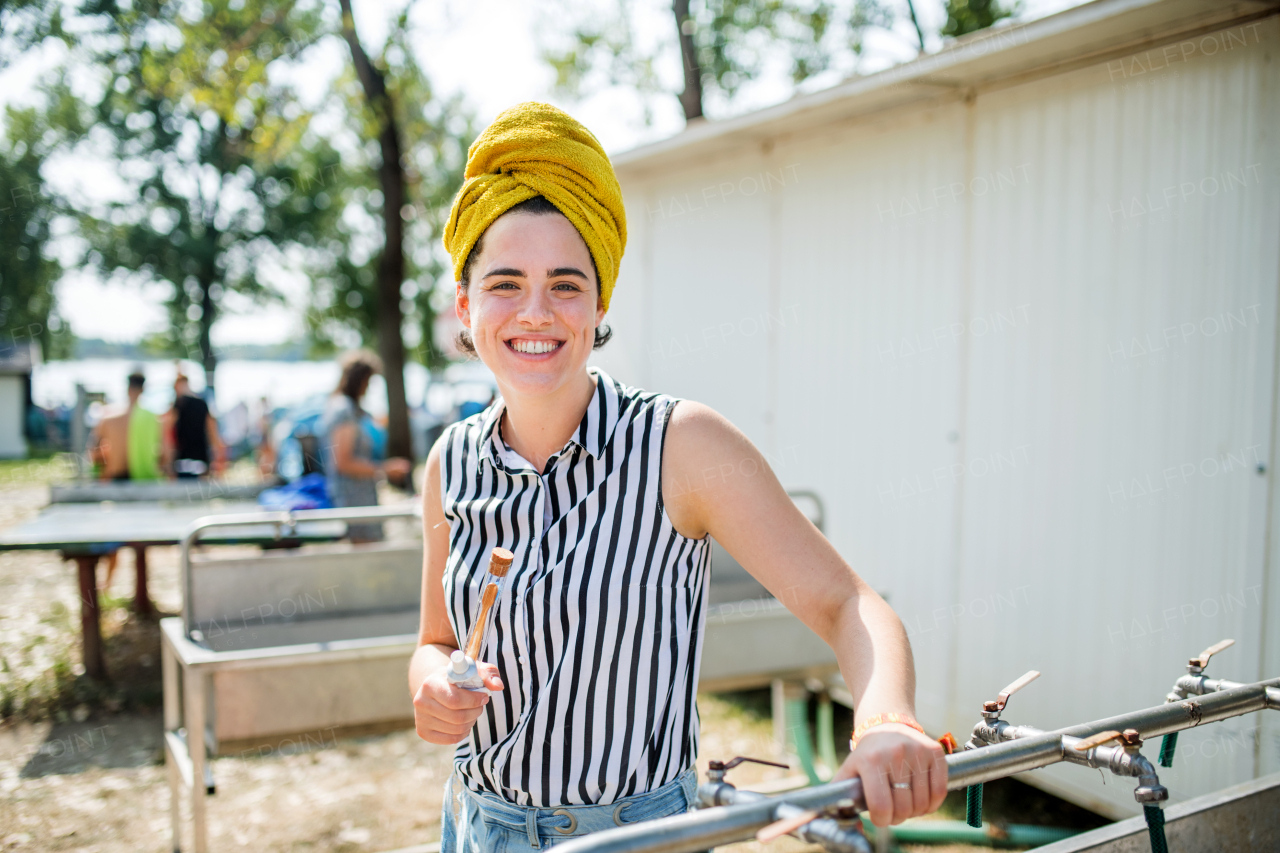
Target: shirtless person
110,443
126,445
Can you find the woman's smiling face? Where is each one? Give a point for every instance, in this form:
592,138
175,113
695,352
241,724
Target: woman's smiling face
532,303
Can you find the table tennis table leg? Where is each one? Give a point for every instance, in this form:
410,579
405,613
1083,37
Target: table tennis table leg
141,599
90,623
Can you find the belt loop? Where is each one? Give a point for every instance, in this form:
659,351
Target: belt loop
531,827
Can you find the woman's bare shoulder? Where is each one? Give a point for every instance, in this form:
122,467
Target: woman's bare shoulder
697,434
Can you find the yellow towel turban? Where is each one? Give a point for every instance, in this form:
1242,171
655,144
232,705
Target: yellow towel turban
535,149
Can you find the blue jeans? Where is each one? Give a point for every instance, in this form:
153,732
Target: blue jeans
490,824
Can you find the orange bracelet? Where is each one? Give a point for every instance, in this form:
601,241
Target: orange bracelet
880,720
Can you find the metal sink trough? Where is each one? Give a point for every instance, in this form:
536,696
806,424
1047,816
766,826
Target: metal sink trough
293,646
1244,818
751,639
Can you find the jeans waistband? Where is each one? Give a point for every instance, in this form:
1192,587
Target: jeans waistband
571,821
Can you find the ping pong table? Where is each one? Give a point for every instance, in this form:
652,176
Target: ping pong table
83,532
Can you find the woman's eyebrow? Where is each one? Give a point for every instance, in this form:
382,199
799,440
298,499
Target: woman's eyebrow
559,272
507,271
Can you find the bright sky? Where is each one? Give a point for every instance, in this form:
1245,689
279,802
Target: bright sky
485,49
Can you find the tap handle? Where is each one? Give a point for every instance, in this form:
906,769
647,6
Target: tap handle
1100,739
1130,739
1202,660
1003,698
713,764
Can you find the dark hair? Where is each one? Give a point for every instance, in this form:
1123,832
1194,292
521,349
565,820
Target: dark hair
358,366
137,380
537,206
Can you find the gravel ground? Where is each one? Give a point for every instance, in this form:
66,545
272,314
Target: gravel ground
89,776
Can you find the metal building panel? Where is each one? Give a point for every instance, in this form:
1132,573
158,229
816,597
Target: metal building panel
867,388
1146,253
706,297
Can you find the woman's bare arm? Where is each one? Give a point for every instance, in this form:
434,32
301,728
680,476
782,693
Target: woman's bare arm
443,713
715,481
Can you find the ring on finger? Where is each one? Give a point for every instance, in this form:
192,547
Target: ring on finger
902,786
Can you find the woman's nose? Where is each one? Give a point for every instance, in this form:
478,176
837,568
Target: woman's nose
536,309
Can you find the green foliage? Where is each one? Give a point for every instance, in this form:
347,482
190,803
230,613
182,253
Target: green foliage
968,16
605,47
27,274
735,41
733,37
24,23
222,174
435,133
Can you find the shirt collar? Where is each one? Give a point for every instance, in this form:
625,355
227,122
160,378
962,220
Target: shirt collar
594,431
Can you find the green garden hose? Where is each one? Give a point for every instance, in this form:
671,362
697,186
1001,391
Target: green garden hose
930,831
1155,828
826,734
1167,745
973,805
798,732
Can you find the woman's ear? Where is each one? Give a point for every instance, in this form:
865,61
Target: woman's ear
600,311
462,306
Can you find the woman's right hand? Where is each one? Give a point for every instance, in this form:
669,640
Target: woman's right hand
443,712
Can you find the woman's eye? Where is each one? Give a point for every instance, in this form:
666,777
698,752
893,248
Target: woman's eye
504,285
567,286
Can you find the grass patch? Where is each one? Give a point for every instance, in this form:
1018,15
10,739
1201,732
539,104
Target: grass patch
38,470
45,679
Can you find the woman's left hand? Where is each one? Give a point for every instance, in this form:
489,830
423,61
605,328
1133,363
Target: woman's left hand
896,754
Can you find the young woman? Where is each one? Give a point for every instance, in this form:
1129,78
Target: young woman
351,472
606,495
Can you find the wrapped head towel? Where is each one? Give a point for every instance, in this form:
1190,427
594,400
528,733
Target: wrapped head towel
535,149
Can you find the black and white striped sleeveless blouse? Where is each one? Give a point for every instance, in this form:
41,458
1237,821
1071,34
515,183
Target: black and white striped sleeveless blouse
598,631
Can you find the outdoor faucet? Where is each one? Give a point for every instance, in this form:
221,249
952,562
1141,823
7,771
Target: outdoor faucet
836,828
993,730
1122,760
1193,683
1126,760
717,769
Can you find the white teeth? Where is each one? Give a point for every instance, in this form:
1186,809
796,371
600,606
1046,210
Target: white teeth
534,347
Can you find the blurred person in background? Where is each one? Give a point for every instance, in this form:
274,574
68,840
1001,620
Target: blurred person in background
126,445
350,466
195,447
264,450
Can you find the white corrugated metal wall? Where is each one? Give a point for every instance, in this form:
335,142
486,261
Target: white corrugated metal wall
1024,347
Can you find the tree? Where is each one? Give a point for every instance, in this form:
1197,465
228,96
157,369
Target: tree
221,173
726,44
391,268
394,103
723,45
25,23
27,274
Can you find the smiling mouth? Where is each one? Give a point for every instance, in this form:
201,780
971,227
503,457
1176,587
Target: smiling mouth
534,347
